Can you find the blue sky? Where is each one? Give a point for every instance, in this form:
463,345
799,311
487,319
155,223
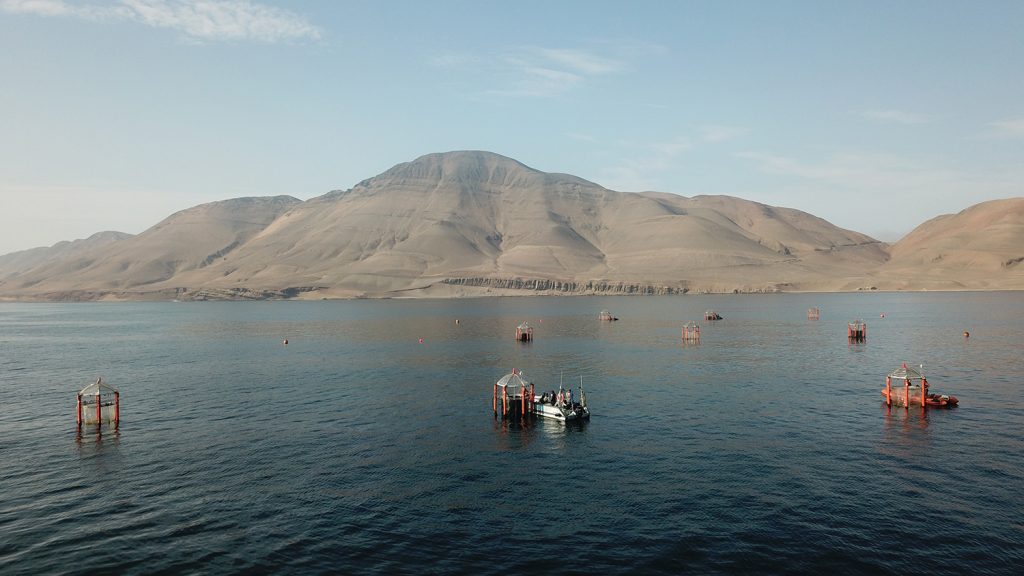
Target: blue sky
873,115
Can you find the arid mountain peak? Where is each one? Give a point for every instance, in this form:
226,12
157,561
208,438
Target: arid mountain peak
474,223
467,169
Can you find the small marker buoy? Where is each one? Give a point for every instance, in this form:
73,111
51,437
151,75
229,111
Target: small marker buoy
882,315
285,342
967,334
456,320
421,340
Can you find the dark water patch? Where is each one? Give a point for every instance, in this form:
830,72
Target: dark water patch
765,448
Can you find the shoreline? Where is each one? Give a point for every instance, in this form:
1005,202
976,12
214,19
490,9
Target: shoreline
92,296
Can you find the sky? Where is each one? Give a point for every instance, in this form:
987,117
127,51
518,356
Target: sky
876,116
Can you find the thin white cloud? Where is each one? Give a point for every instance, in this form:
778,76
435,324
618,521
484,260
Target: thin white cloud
196,20
722,133
529,71
60,8
895,116
644,171
549,75
580,60
854,170
453,60
666,151
881,178
1008,128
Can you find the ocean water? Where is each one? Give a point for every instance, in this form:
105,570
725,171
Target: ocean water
765,448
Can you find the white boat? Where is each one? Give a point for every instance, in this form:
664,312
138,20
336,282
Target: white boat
561,406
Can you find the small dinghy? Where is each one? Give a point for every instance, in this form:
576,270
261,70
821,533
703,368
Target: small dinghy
941,400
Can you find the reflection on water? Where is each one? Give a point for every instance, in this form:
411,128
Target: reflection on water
95,437
518,433
904,423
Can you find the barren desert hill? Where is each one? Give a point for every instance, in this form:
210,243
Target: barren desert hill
191,238
988,235
473,223
17,262
979,247
472,217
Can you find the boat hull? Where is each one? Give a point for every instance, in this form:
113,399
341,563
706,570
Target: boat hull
562,413
931,400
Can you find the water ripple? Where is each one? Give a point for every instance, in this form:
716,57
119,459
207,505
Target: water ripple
765,448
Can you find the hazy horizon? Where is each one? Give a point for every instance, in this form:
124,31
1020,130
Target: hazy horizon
876,117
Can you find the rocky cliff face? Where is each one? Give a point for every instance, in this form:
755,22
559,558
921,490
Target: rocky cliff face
568,288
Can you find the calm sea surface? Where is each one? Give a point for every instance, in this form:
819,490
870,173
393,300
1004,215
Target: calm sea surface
765,448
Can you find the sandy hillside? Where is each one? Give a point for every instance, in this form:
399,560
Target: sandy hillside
981,247
469,223
17,262
189,239
475,215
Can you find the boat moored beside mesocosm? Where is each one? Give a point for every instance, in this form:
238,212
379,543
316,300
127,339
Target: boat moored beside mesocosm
515,395
560,405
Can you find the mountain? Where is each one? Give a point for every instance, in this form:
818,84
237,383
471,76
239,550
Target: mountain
18,262
469,223
186,240
479,219
981,247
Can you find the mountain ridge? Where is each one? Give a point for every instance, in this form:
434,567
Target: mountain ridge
471,223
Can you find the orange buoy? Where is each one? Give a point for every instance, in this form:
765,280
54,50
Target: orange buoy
967,334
